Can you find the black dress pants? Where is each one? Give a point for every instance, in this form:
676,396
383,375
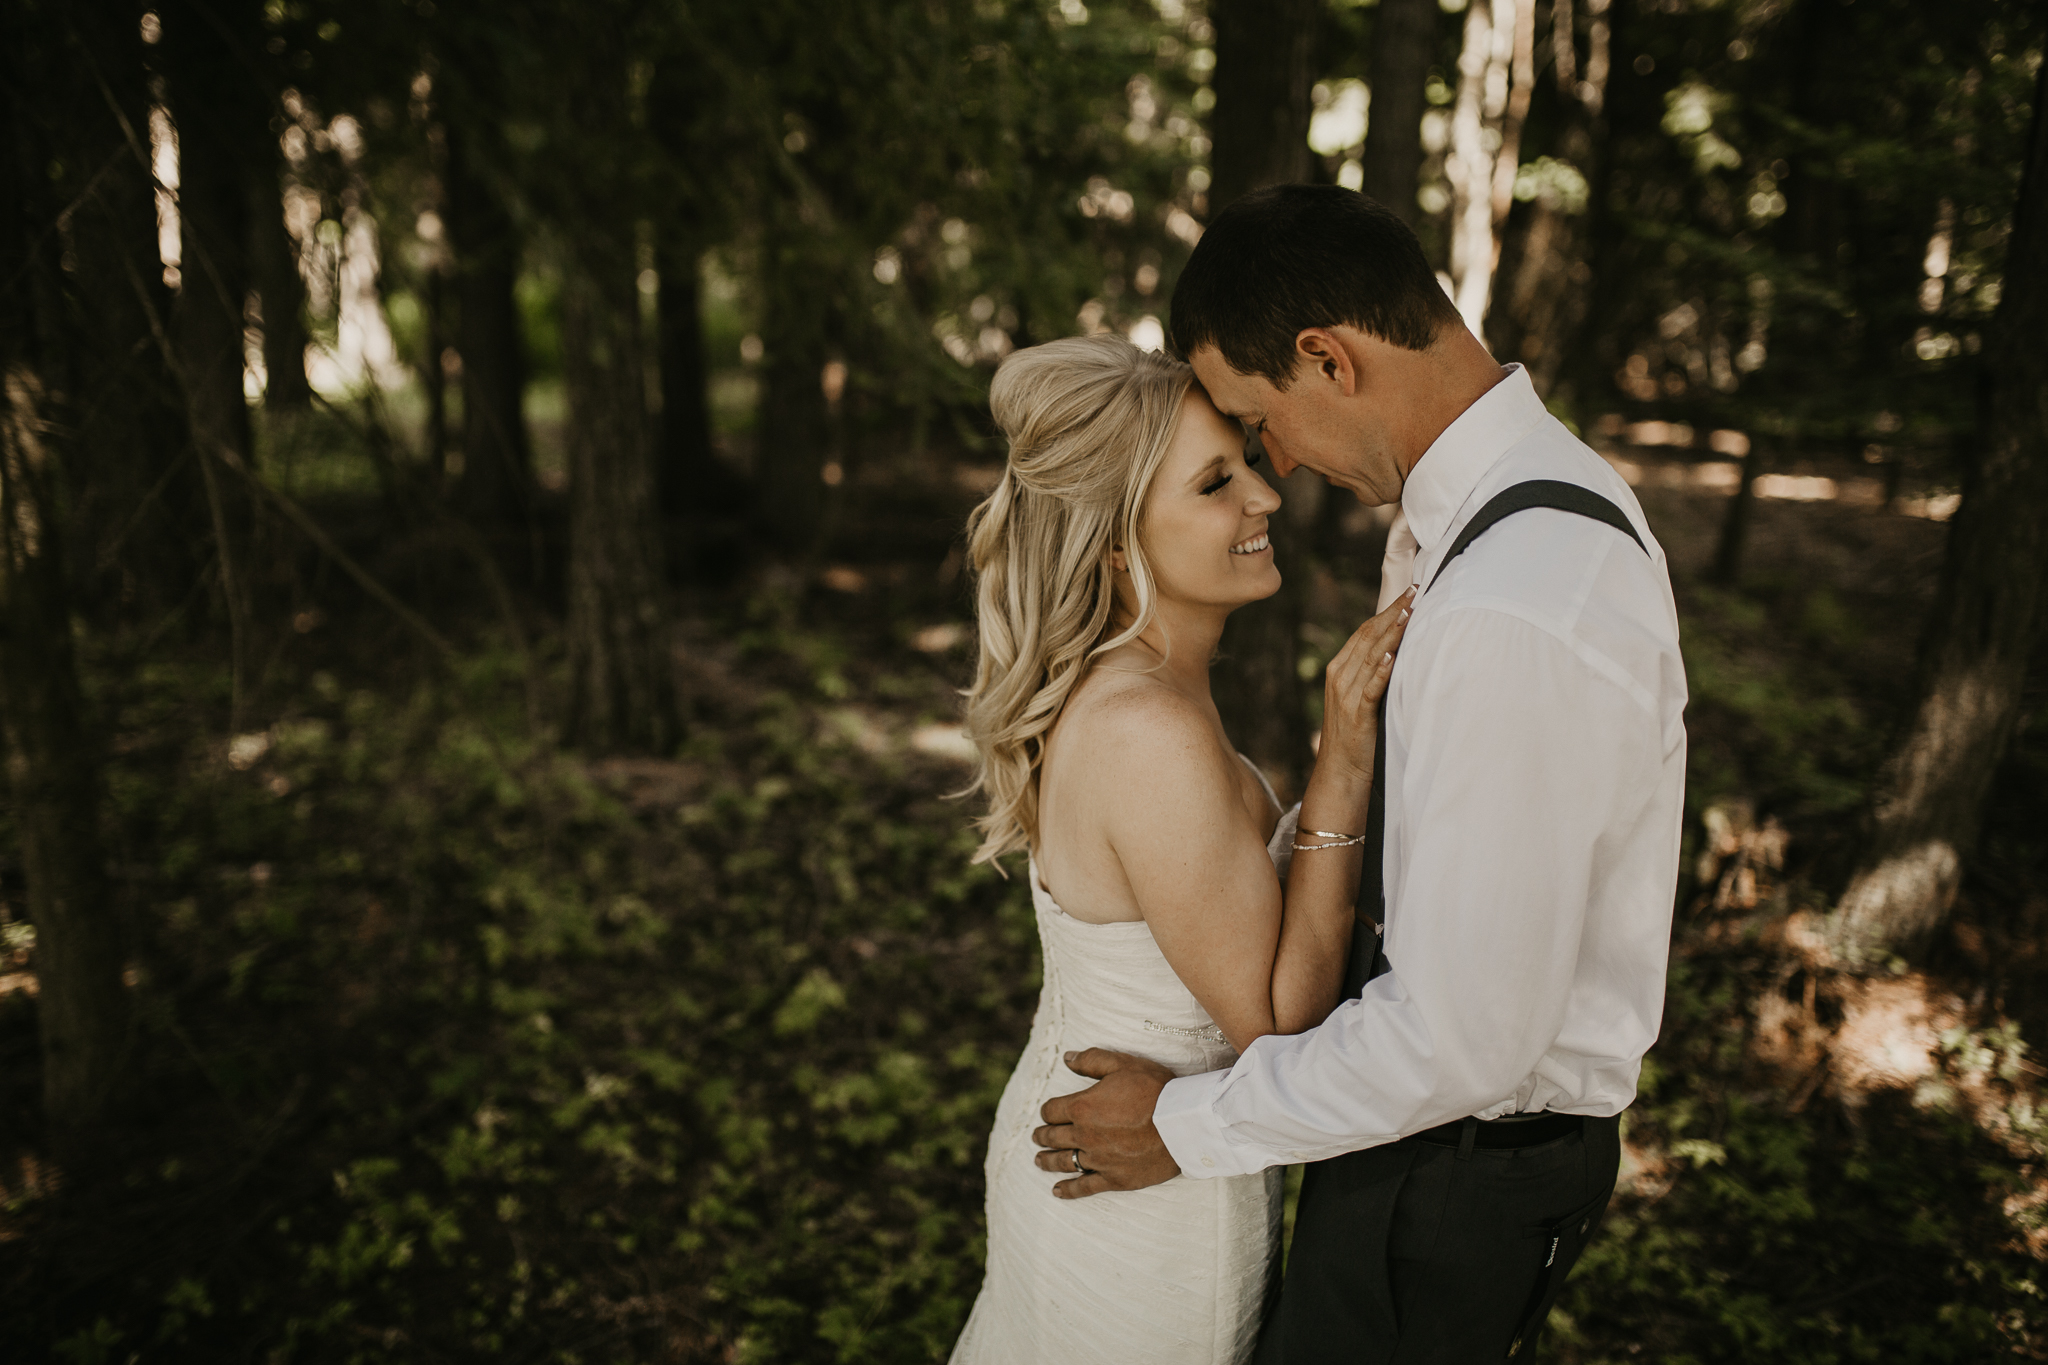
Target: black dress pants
1417,1253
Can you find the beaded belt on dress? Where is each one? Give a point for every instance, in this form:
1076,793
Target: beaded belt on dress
1209,1033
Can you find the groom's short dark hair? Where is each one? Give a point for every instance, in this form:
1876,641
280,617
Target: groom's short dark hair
1294,256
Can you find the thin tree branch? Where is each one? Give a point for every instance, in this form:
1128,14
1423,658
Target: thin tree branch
300,518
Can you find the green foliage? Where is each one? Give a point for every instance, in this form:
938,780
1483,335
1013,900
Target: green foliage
1784,729
1750,1228
713,1068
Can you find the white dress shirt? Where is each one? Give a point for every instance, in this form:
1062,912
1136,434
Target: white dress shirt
1536,781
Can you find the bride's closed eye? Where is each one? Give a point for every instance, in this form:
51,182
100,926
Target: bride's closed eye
1215,485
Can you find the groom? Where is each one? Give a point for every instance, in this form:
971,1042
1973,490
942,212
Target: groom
1460,1112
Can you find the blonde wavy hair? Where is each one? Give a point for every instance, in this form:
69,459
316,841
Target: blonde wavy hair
1088,420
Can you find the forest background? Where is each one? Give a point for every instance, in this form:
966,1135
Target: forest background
481,616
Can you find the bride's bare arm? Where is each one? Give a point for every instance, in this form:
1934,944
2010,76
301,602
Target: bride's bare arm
1176,820
1198,870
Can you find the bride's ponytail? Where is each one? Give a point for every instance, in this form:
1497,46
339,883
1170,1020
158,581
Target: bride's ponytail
1088,420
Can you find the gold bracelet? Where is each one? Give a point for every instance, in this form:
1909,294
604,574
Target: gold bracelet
1343,841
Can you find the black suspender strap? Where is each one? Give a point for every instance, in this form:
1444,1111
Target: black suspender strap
1551,493
1367,960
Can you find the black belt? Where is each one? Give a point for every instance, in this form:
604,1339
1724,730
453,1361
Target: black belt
1533,1131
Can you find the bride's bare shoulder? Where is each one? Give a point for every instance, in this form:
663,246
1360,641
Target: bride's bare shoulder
1120,717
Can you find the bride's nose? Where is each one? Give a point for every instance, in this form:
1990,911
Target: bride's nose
1260,499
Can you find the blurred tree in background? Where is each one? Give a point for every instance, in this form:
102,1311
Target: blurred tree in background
480,610
1265,70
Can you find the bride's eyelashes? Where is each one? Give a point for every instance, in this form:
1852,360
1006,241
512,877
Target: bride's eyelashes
1252,455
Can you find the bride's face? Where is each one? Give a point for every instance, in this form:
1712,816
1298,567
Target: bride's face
1206,514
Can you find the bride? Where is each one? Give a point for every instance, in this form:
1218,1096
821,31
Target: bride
1127,526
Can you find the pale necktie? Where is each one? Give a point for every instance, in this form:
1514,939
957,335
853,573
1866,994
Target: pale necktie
1397,569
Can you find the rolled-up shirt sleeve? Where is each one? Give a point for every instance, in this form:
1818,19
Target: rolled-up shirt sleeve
1518,762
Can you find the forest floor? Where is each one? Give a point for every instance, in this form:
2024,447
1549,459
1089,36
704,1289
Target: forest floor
456,1045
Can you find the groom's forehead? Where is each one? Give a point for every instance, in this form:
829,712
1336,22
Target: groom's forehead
1234,394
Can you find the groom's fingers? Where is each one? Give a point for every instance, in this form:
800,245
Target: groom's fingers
1081,1186
1095,1061
1060,1108
1056,1134
1109,1123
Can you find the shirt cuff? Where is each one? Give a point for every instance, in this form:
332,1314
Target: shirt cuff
1185,1116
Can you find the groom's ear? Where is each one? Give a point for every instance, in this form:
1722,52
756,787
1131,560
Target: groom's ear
1322,357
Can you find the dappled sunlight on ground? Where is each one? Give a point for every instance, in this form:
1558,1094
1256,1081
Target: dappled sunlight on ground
1642,468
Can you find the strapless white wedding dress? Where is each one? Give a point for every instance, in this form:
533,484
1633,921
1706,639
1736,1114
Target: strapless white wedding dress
1172,1275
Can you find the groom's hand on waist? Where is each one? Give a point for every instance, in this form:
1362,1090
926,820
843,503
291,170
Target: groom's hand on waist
1105,1132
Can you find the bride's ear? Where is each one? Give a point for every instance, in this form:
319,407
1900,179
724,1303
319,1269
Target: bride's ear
1117,561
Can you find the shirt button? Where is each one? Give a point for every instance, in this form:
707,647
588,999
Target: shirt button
1208,1161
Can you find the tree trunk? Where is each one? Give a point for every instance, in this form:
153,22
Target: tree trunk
135,491
1930,795
1496,70
1589,348
53,769
1814,222
689,111
495,490
691,480
215,115
1265,68
274,265
1508,159
50,750
1403,42
1734,540
794,428
216,107
622,678
434,376
1540,293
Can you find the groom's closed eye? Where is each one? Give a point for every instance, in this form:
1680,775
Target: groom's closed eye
1254,442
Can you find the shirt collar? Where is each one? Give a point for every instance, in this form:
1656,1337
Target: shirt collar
1443,479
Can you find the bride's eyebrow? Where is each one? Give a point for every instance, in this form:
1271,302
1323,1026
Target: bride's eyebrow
1202,475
